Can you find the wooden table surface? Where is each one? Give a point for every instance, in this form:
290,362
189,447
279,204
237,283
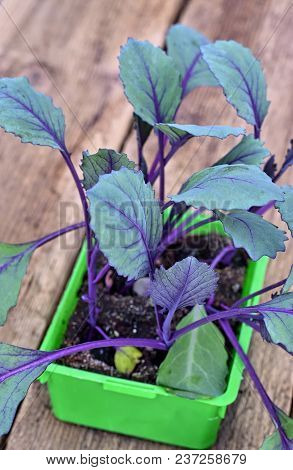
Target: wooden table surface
69,49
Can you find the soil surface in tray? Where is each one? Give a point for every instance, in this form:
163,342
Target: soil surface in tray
123,313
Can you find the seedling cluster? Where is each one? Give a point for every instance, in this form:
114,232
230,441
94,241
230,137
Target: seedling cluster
125,221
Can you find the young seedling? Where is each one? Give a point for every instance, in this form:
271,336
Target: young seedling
125,221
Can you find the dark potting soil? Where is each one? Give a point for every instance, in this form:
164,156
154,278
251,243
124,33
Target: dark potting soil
125,314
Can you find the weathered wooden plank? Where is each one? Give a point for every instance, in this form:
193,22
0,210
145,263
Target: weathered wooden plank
265,28
253,24
258,26
85,73
68,50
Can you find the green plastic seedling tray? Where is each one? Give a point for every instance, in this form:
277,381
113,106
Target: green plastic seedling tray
132,408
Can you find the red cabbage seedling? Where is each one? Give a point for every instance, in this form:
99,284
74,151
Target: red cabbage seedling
130,226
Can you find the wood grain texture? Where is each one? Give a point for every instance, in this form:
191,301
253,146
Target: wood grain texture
70,53
263,26
68,50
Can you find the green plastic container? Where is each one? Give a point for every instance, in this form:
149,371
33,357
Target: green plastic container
132,408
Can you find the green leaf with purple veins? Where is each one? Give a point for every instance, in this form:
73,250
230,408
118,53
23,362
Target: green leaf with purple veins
240,75
277,326
273,442
30,115
14,388
249,151
186,283
183,45
14,260
100,163
247,231
183,132
131,227
228,187
151,81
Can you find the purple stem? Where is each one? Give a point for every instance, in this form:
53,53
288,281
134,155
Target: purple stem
104,343
258,292
256,132
92,286
51,236
258,385
210,318
244,312
263,307
140,155
162,166
156,162
159,318
67,157
167,336
102,273
153,168
154,173
265,208
100,330
183,229
33,245
172,223
68,161
221,255
165,206
255,326
103,333
200,224
192,216
227,260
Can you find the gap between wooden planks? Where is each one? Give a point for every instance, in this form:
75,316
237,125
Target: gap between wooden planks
78,46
